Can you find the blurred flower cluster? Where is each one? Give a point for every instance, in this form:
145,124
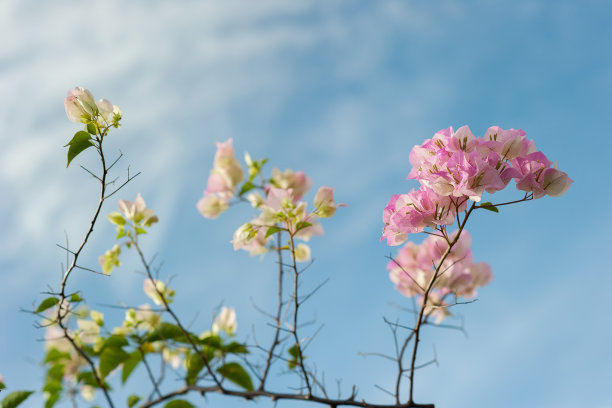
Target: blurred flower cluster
277,200
415,265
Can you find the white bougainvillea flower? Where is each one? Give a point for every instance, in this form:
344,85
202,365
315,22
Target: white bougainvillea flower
80,105
87,392
211,205
302,253
137,211
172,357
225,321
153,291
88,331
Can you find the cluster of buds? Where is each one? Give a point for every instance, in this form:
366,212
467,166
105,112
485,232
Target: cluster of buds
458,276
454,167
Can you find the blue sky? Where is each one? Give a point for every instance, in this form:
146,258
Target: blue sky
341,90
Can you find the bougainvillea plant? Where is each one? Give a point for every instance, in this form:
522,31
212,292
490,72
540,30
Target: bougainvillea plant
85,358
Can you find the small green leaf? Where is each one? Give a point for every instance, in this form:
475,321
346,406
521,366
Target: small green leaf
47,303
116,341
294,352
133,400
80,141
91,128
15,398
129,365
195,364
140,230
272,230
236,374
87,378
246,187
110,358
488,206
165,331
2,386
56,372
52,399
236,348
54,355
53,387
75,298
213,341
301,225
179,404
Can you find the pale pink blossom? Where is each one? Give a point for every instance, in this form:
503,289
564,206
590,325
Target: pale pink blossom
211,205
533,173
137,211
414,267
80,105
324,202
413,212
297,182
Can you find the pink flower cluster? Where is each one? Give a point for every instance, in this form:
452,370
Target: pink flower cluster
454,167
458,276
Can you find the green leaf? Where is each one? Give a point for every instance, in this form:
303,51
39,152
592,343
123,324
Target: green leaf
110,358
488,206
179,404
236,348
56,372
80,141
236,374
87,378
133,400
272,230
52,399
195,364
2,386
75,298
294,352
116,341
301,225
91,128
53,387
130,364
54,355
246,187
15,398
213,341
165,331
47,303
140,230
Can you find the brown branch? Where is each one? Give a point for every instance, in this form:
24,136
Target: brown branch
277,319
419,322
275,396
296,306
